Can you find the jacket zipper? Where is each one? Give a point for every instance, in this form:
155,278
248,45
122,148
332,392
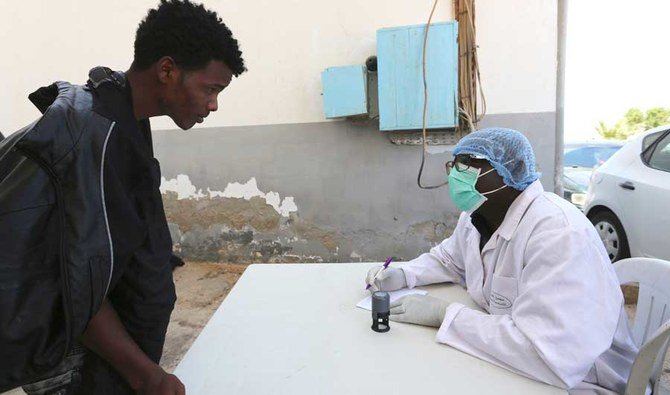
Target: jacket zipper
104,210
61,220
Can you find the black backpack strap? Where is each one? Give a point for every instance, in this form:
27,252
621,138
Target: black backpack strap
101,75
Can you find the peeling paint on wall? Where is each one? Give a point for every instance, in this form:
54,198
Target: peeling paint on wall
243,224
185,189
238,226
182,186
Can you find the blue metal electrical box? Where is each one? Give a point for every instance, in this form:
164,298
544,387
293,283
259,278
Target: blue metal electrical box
344,91
399,69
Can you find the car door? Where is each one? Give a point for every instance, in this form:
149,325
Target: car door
644,194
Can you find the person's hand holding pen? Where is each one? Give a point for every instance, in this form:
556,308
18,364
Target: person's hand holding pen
385,278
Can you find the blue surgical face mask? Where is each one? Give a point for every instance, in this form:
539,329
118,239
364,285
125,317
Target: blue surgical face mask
462,189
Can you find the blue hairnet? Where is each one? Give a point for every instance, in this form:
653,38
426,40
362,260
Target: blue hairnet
507,150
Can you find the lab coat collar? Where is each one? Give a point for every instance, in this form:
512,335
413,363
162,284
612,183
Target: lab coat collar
518,209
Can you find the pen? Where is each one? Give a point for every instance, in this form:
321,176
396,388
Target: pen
384,266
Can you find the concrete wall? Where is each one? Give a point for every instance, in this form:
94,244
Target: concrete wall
328,191
267,178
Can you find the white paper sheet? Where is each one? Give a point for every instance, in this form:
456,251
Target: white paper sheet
395,295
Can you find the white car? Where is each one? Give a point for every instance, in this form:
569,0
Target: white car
628,200
579,160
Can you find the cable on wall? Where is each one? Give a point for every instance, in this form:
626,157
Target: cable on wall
469,79
425,105
469,87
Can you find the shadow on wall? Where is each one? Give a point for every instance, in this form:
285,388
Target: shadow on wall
238,230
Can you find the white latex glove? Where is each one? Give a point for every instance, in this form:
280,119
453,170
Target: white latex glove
419,309
390,279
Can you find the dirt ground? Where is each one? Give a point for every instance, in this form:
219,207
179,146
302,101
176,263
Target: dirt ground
201,287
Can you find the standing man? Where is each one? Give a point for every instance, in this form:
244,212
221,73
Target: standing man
553,306
184,57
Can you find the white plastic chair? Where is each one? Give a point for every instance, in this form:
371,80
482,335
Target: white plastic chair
651,327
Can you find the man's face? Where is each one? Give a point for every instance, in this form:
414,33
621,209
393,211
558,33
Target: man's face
189,96
485,183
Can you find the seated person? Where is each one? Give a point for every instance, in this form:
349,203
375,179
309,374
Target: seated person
533,262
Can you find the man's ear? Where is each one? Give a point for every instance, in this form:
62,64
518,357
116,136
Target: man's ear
168,71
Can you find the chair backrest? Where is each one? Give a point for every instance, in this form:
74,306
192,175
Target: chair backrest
651,328
653,302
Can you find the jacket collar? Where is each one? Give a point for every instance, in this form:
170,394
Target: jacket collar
113,99
518,208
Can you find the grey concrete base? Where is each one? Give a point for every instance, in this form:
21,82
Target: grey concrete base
356,192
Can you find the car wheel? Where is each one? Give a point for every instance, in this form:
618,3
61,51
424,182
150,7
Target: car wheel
611,233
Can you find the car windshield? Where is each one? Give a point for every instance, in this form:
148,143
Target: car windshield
589,156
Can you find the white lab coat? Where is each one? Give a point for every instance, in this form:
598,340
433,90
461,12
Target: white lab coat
555,308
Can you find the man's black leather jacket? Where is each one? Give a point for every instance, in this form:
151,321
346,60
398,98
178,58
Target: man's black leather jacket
56,256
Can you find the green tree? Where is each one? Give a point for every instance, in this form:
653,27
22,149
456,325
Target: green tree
634,121
605,131
634,116
656,116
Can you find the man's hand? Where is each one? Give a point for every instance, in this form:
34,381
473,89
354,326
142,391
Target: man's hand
162,383
107,337
419,309
390,279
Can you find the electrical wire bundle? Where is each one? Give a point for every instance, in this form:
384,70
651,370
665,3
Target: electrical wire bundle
469,80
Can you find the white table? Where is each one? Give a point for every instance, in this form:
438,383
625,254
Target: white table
294,329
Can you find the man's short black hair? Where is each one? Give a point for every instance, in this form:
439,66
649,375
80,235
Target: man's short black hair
189,33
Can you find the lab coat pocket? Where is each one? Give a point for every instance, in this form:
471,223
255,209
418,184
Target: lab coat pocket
503,293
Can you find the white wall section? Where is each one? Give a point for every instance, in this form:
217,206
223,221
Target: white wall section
518,44
185,189
286,45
